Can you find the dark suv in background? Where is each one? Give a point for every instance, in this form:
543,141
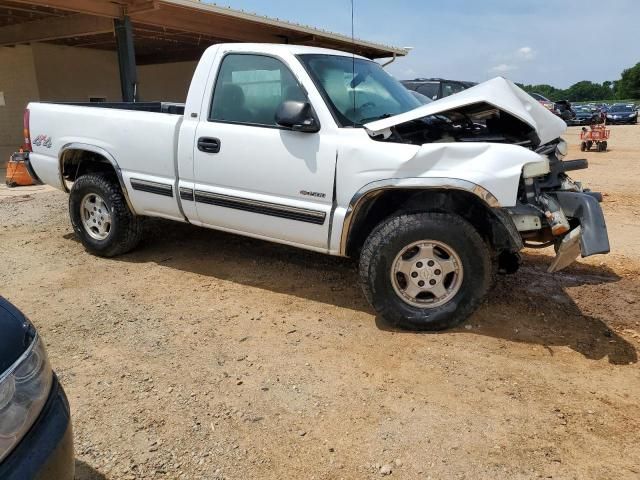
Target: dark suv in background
435,88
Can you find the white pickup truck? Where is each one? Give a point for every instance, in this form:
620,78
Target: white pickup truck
324,150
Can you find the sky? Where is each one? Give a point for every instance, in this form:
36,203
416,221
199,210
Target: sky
558,42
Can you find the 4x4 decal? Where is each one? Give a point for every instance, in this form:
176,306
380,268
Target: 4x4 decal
42,140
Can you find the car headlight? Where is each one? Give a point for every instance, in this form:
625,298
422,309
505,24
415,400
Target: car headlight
536,169
561,149
24,389
632,115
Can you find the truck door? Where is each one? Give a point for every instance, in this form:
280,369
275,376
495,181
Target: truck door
253,176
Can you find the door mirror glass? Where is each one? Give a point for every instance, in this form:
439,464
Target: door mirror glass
297,116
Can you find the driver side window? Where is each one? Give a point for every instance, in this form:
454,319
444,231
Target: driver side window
250,88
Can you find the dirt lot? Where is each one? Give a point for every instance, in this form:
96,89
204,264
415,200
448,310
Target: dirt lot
206,355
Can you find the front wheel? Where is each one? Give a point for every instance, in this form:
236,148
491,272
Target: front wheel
100,216
425,271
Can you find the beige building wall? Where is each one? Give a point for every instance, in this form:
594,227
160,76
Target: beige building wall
168,82
47,72
71,74
18,86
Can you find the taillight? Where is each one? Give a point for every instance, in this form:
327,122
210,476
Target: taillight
25,131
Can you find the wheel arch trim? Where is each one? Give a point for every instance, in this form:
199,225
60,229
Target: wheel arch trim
87,147
374,188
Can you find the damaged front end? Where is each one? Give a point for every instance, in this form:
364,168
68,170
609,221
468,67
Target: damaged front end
553,210
459,136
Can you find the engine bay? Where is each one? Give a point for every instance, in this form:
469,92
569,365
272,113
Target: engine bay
478,122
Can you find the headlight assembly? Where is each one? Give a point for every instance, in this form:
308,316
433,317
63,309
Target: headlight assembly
562,149
536,169
24,389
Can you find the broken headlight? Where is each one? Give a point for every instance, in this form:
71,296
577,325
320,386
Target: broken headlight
536,169
561,149
24,389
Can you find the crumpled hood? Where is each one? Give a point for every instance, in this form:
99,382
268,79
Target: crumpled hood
499,92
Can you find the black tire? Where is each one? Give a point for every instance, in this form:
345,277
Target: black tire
604,146
583,146
126,227
589,144
391,236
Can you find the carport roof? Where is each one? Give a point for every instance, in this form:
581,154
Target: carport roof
164,30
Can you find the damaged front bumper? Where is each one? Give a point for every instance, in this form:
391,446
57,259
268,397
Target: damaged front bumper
555,210
585,233
590,237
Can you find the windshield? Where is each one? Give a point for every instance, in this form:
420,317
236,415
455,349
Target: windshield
357,91
621,108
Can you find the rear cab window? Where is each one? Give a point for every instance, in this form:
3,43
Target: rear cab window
449,88
430,90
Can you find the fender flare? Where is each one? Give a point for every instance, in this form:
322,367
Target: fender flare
99,151
427,183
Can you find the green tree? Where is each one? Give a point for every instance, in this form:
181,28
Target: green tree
548,91
629,84
586,90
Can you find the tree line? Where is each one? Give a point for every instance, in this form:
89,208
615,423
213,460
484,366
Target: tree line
628,87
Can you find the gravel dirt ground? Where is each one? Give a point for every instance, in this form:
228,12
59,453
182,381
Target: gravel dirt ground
207,355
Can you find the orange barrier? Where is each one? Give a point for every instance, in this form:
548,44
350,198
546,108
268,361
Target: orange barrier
17,173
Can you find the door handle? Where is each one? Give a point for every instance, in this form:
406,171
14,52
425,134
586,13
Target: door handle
209,144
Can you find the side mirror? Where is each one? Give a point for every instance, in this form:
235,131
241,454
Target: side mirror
297,116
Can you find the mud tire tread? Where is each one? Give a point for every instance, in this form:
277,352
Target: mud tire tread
386,240
126,226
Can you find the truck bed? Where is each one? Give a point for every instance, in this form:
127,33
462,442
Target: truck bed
141,138
156,107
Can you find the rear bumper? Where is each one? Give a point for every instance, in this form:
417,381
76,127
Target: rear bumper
46,451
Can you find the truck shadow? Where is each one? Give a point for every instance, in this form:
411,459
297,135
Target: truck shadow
533,307
84,471
530,307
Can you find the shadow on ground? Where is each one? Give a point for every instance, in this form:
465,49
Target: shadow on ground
84,471
530,307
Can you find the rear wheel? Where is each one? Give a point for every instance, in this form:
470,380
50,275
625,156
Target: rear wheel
583,146
100,216
426,271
